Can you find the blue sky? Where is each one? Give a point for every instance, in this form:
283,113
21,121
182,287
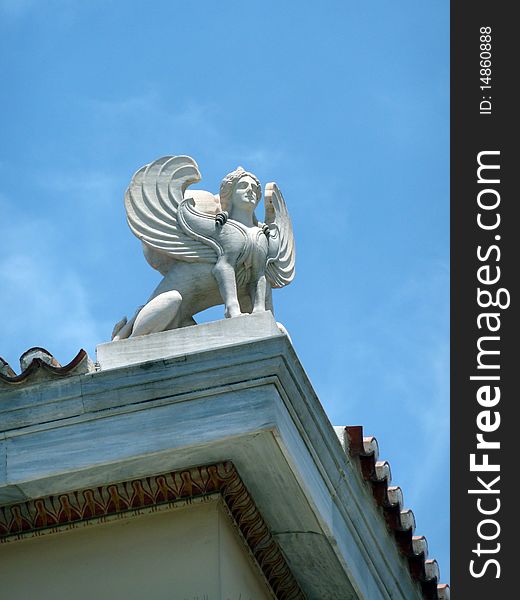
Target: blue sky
344,104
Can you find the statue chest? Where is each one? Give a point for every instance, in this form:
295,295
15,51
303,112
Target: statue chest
252,257
255,248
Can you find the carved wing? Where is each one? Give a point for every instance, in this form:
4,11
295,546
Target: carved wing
282,254
152,201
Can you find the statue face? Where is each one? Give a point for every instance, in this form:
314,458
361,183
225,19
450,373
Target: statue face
246,193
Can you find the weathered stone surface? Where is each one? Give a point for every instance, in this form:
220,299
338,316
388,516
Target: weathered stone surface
187,340
248,402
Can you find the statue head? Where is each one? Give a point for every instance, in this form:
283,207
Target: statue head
241,187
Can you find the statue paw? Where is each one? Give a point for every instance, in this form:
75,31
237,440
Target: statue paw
118,326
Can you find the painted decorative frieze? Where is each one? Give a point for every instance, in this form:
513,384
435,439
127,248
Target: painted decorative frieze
71,510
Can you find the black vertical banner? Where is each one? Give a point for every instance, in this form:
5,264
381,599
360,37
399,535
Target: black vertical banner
485,252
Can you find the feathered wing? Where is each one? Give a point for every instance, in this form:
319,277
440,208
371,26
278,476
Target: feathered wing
282,254
152,201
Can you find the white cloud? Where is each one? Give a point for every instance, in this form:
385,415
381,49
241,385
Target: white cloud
398,360
91,187
42,302
194,127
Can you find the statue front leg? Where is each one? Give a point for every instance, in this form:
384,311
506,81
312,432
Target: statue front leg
224,272
258,291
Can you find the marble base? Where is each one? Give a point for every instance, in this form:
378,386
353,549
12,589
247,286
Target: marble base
178,342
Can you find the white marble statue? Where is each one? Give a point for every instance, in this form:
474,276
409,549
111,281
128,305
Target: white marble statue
210,248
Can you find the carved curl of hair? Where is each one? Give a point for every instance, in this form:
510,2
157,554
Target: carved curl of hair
228,186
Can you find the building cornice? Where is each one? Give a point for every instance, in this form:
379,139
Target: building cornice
248,402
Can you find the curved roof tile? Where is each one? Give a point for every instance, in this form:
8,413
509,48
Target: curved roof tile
400,521
37,364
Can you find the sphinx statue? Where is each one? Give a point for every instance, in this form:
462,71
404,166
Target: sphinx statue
210,248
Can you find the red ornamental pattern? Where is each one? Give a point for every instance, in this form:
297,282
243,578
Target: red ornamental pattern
66,511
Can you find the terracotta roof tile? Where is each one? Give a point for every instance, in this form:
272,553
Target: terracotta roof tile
38,364
400,521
